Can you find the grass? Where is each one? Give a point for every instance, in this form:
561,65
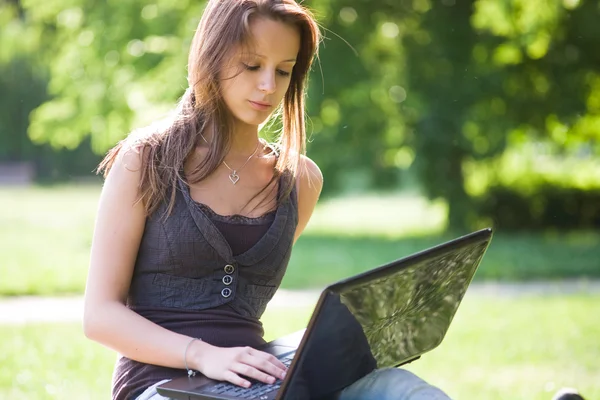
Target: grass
45,236
509,348
518,349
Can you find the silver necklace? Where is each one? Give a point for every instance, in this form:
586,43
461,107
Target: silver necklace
234,177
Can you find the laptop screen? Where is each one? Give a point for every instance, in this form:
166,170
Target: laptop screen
383,319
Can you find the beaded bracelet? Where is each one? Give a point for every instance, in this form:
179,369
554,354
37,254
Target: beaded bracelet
189,371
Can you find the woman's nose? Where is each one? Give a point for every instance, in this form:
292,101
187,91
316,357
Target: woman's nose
267,82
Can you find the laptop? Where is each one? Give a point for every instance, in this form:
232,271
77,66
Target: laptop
385,317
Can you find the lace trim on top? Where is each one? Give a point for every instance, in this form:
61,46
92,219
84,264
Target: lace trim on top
238,219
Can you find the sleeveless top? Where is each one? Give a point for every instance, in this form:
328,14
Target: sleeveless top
188,278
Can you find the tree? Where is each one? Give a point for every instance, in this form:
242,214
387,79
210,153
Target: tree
22,83
113,66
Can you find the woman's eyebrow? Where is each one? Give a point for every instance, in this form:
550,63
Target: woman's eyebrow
261,56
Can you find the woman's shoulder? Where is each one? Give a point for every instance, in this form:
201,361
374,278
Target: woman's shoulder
309,174
147,136
129,152
309,183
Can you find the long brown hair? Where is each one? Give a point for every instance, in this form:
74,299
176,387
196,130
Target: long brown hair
223,26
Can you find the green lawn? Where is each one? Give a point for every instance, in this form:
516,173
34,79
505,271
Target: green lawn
45,235
496,349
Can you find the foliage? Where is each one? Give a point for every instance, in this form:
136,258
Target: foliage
549,207
455,83
491,74
357,127
15,114
113,66
22,84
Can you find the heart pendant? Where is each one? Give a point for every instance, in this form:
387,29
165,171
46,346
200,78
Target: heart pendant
234,177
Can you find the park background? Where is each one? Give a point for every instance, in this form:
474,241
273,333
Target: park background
428,118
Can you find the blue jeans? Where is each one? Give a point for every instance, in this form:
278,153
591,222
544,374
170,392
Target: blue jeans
392,384
381,384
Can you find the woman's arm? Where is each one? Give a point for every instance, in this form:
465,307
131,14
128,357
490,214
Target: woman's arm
119,227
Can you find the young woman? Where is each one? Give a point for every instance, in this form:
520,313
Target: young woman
198,215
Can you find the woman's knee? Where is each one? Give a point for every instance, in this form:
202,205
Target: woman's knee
151,394
409,386
392,384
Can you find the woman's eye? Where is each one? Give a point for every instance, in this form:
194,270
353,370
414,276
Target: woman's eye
251,67
257,67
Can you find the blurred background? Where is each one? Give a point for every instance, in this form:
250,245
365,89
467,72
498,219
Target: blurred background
428,118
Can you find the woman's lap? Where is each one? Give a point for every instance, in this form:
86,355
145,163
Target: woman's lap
151,393
381,384
392,384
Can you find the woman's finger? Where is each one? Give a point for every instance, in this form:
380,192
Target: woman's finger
264,365
252,372
272,360
234,378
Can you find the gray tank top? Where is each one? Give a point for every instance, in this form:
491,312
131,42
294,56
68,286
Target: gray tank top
188,279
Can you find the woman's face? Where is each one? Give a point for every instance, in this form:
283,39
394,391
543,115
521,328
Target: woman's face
254,81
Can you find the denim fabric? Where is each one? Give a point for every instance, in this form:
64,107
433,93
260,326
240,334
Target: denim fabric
151,394
381,384
391,384
185,263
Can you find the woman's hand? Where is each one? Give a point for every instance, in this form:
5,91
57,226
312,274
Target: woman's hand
227,364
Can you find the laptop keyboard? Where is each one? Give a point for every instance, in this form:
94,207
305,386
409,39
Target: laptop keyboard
255,391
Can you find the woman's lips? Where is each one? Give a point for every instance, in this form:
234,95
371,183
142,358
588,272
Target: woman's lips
258,105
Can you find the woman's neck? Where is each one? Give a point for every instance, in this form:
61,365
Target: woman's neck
244,140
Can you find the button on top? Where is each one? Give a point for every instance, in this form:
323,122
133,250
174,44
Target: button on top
226,292
227,279
229,269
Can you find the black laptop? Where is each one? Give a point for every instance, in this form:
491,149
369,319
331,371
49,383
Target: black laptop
385,317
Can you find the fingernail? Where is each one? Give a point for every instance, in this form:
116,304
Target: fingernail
283,375
271,380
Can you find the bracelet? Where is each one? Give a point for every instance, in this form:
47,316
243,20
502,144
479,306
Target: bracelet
189,371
